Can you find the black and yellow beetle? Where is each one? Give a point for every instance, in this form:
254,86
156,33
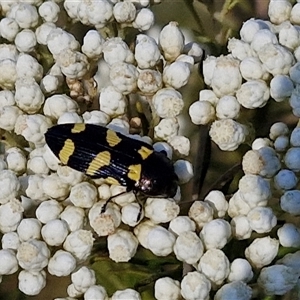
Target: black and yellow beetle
103,153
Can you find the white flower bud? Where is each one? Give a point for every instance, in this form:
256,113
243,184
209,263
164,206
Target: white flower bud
25,40
49,11
28,66
166,288
221,83
115,50
240,227
228,108
281,143
54,187
260,143
11,214
181,144
42,32
58,40
123,77
142,230
291,159
73,64
171,41
262,219
279,11
9,28
176,74
208,95
276,58
104,223
95,292
161,210
29,228
237,205
112,102
289,36
25,15
188,247
166,128
48,210
28,96
122,245
92,44
253,94
285,180
262,38
83,279
168,103
181,224
9,186
95,13
262,251
194,50
10,240
202,112
8,262
214,264
62,263
69,117
263,162
184,170
239,49
228,134
160,241
281,88
235,290
33,255
254,190
201,213
294,16
250,28
83,195
74,216
15,160
144,19
33,128
277,280
240,270
79,243
126,294
289,235
195,285
291,260
54,232
149,81
31,282
131,214
252,69
218,202
95,117
124,12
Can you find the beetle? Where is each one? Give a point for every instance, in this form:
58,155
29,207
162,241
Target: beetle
100,152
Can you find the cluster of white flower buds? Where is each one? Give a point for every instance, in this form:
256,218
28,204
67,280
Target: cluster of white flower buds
262,65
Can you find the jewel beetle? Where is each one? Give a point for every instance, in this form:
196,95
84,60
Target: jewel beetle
100,152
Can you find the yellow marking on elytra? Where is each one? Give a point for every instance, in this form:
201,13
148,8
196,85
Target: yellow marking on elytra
145,152
111,180
78,127
112,138
100,160
66,151
134,172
